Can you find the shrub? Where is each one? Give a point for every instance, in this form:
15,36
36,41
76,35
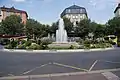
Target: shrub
21,46
14,43
81,47
28,43
23,41
46,41
44,47
98,45
87,42
71,47
86,46
4,41
34,46
8,46
118,44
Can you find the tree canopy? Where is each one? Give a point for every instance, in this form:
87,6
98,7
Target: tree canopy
12,25
113,26
68,25
34,29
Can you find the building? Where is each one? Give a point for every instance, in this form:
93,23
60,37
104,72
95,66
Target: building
4,12
117,11
75,13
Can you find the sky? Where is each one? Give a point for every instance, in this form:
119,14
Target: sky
48,11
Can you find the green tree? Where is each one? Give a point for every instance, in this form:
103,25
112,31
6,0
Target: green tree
54,27
92,27
68,25
12,25
82,28
113,26
35,30
99,31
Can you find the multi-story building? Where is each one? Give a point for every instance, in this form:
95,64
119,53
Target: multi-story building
117,11
4,12
75,13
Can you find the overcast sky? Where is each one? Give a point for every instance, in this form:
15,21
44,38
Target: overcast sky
48,11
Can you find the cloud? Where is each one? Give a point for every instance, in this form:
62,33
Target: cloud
19,0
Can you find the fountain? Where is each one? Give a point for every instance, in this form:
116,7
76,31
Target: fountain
61,34
61,38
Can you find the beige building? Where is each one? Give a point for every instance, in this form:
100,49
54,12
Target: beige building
117,11
75,13
4,12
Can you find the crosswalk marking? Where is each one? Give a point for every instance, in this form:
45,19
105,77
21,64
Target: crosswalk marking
110,76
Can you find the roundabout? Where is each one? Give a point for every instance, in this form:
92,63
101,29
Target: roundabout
21,63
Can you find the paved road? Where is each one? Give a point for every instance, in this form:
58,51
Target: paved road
1,47
47,63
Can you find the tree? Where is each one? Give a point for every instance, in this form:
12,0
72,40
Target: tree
68,25
93,26
113,26
12,25
82,28
97,29
54,27
35,30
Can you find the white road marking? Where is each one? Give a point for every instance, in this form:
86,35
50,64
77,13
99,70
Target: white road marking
68,66
10,75
26,72
110,61
110,76
93,65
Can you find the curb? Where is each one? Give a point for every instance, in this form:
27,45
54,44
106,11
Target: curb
54,51
57,74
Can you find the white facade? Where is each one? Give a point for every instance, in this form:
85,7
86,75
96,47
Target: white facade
76,17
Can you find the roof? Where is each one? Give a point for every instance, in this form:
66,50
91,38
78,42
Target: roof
74,9
12,9
118,7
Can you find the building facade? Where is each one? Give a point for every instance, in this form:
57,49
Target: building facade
75,13
4,12
117,11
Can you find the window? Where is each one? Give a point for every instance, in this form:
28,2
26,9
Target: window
76,16
73,16
68,11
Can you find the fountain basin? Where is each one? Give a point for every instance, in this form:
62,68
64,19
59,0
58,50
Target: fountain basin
65,45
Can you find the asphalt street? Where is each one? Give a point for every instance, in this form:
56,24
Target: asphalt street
19,64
